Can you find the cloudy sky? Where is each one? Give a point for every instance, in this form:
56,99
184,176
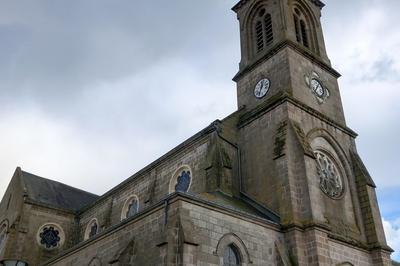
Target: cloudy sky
92,91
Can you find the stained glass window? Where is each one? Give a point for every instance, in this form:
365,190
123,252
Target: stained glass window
231,256
132,208
183,182
93,229
49,237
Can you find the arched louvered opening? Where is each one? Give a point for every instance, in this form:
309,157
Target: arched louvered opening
263,30
302,29
304,36
269,35
259,36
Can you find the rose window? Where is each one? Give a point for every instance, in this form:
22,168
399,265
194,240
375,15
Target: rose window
50,237
330,179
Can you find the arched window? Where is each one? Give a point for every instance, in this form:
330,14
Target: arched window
91,229
232,251
263,33
231,256
302,30
181,180
131,207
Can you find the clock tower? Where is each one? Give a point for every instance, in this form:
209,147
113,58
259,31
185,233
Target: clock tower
298,157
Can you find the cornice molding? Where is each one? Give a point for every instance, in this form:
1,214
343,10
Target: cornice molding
241,3
279,47
251,115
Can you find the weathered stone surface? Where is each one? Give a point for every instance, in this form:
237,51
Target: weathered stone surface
253,183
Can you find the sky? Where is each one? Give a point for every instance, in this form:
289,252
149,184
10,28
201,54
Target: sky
92,91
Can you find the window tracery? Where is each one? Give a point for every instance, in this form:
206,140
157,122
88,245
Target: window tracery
331,182
50,236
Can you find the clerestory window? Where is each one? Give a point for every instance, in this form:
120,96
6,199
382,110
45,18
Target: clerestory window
263,31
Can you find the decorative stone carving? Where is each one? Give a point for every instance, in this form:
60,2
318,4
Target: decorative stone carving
50,236
331,182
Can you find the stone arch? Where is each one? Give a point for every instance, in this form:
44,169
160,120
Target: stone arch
132,199
174,179
321,140
323,133
234,240
92,225
311,22
345,264
249,27
95,262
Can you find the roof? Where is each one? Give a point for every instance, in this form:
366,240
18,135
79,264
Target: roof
55,194
242,204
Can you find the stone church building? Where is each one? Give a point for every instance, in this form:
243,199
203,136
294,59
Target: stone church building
277,182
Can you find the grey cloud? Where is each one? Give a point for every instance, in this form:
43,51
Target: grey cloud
65,46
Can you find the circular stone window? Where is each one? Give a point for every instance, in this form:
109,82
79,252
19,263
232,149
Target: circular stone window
50,236
181,180
331,182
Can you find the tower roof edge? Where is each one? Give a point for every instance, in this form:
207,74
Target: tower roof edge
236,7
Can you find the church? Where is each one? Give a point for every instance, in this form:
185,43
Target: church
277,182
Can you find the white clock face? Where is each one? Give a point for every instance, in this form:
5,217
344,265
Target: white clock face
320,92
262,88
317,88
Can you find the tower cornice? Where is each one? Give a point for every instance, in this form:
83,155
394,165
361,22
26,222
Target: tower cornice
279,47
241,3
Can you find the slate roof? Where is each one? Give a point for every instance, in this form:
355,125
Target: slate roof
241,204
55,194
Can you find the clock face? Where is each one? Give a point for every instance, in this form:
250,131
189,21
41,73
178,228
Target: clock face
320,92
262,88
317,88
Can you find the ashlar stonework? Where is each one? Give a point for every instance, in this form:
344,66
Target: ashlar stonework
278,182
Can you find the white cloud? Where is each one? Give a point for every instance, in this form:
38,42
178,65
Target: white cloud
110,123
392,230
364,49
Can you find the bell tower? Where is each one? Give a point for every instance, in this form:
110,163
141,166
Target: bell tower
283,52
298,157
